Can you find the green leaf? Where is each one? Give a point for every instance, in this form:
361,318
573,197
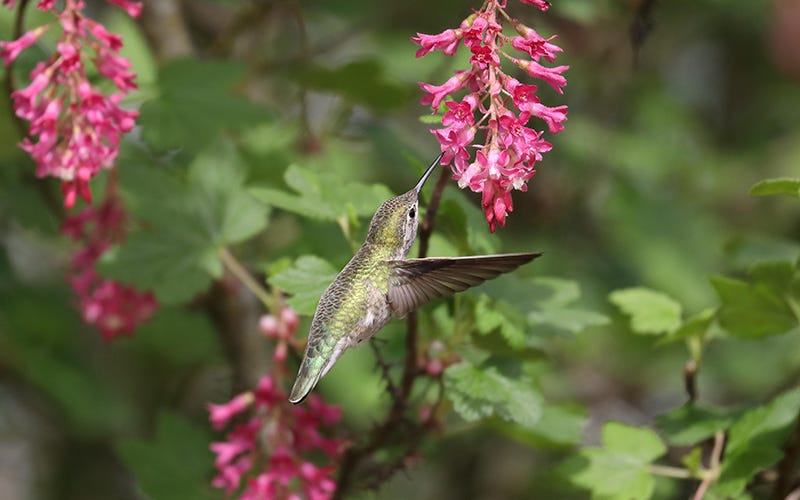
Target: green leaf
196,103
693,460
756,442
571,320
431,119
305,281
651,312
549,300
481,392
782,185
175,464
559,426
555,292
323,195
691,424
696,326
619,470
495,315
174,265
763,306
188,220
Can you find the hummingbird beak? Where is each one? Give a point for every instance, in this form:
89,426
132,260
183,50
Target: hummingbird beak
427,173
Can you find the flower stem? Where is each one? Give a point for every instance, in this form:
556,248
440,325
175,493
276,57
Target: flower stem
668,471
238,270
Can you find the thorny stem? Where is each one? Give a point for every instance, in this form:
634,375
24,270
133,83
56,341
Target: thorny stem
397,422
238,270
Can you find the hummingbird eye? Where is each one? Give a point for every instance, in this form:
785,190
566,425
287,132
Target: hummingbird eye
412,213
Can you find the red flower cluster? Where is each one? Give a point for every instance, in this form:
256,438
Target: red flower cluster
263,457
78,127
503,105
113,308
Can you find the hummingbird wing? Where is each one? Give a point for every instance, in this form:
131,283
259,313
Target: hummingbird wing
413,282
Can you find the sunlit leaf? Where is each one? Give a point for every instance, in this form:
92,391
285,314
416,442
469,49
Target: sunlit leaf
769,187
619,468
651,312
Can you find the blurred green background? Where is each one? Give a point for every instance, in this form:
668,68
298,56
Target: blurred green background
675,110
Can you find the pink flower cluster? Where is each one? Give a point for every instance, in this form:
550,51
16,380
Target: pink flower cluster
502,104
264,454
75,129
113,308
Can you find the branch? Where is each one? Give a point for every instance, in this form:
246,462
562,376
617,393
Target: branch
406,431
690,379
787,465
713,466
238,270
410,368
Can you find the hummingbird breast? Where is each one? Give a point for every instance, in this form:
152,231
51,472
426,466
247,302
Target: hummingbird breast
354,307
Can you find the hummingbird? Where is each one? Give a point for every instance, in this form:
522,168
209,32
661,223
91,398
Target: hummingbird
380,282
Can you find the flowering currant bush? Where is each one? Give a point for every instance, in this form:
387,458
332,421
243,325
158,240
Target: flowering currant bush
115,309
497,106
74,132
264,456
75,128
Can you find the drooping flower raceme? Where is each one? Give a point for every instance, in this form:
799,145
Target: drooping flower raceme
496,108
115,309
75,128
267,452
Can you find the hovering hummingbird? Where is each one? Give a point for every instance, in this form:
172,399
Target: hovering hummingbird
379,282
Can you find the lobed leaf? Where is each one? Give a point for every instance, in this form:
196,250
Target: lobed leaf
323,196
619,468
187,221
767,304
304,282
482,391
651,312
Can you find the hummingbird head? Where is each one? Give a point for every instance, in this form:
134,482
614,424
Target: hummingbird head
395,222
